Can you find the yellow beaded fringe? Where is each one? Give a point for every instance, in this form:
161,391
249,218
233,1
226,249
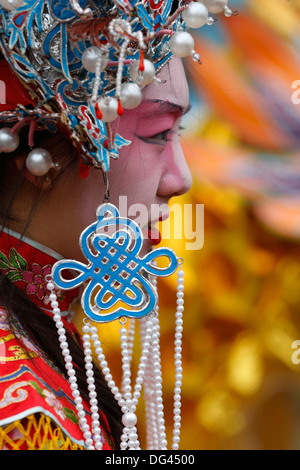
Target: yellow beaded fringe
35,432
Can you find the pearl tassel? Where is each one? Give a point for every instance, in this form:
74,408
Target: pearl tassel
157,438
91,385
69,367
150,408
178,358
97,80
157,379
149,374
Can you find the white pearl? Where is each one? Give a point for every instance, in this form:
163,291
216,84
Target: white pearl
131,95
39,162
196,15
109,108
9,141
11,4
129,419
215,6
90,57
181,44
145,77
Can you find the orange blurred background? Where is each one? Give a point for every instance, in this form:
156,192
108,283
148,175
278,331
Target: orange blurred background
241,389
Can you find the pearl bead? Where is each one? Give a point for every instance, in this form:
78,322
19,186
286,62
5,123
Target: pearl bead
145,77
9,141
196,15
131,95
11,4
109,108
129,419
215,6
90,58
39,162
181,44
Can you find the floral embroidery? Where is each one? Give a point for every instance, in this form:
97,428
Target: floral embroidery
13,266
53,401
36,283
16,269
62,411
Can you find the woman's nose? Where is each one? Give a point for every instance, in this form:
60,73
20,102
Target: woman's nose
176,178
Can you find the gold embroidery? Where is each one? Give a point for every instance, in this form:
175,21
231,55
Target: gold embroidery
18,354
4,339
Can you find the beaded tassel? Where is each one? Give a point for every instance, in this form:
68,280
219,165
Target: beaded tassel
178,359
149,374
84,426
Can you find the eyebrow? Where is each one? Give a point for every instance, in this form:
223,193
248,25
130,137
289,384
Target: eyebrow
166,107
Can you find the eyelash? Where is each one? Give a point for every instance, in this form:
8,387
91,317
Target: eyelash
150,140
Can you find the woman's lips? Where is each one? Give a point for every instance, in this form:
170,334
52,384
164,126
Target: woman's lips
154,235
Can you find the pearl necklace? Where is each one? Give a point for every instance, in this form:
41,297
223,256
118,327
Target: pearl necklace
148,374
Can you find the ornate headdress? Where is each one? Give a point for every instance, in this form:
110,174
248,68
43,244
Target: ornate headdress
79,64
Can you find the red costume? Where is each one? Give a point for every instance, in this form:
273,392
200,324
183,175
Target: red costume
37,410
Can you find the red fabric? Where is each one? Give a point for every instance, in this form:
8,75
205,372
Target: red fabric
14,92
29,383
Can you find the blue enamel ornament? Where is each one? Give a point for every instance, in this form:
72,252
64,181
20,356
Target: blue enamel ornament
116,277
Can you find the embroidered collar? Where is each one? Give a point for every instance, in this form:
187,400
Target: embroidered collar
26,263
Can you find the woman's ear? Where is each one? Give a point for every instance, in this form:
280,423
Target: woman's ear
42,182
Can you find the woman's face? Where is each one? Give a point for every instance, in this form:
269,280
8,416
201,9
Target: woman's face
148,172
153,169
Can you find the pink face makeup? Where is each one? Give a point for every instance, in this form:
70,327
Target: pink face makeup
155,126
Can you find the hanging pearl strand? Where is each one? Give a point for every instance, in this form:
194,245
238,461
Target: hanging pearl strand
120,67
155,423
129,438
97,79
126,400
160,436
104,367
84,426
178,357
158,386
149,373
150,405
131,333
91,385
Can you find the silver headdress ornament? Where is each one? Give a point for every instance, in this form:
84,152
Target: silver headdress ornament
83,62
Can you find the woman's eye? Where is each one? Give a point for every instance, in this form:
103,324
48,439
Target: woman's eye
162,135
160,138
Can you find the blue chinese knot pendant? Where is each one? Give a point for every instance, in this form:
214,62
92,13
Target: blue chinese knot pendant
116,278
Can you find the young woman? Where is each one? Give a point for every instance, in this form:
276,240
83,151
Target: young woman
42,221
51,395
